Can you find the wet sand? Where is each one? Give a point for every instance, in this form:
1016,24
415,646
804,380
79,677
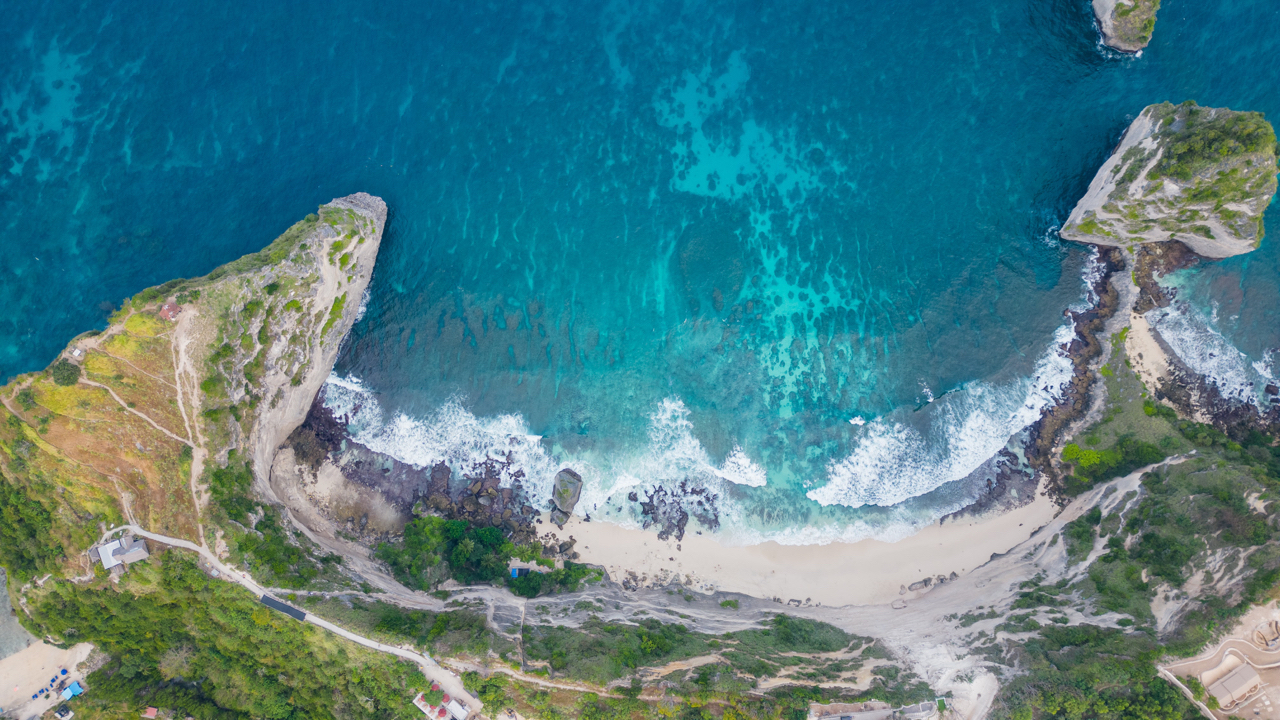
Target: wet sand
869,572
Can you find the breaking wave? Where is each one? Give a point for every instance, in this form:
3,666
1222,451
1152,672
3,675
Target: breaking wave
909,454
453,435
1206,352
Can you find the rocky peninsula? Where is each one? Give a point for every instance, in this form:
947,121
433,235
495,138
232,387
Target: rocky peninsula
1202,176
1126,25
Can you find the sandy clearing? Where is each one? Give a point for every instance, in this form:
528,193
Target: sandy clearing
1144,352
28,671
862,573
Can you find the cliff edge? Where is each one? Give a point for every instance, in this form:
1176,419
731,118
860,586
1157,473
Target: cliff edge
183,398
1203,176
1126,25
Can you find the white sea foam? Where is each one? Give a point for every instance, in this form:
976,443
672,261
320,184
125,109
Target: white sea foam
1193,338
1091,274
672,456
896,459
364,306
451,434
742,470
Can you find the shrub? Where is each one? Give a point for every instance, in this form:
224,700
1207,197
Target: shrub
65,373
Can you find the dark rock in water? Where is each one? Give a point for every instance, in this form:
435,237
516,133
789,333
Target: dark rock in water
1010,484
567,490
1272,390
670,510
486,493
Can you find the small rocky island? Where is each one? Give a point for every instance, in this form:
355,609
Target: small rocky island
1126,24
1199,175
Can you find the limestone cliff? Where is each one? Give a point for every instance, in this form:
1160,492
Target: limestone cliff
1126,25
1202,176
128,422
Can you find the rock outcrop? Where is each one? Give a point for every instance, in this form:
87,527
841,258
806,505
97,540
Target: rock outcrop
564,495
185,374
1202,176
340,252
1126,25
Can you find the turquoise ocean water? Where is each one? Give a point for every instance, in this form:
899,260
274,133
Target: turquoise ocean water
801,255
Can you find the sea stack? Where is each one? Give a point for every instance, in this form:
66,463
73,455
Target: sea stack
1126,25
1202,176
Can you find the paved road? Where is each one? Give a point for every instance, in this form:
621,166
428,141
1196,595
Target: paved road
449,682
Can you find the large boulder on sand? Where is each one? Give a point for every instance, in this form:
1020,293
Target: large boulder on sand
567,490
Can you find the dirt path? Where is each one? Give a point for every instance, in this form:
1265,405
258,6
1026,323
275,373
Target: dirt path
135,411
430,668
188,387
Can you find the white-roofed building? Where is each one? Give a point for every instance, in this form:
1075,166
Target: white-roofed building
127,550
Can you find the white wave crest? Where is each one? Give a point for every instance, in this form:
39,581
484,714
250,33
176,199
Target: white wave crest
742,470
364,306
674,455
895,461
450,434
1197,343
453,435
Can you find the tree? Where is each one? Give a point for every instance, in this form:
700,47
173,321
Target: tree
65,373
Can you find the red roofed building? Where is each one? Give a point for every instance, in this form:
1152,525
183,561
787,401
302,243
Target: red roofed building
169,311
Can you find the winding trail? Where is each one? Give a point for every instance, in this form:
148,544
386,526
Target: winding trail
140,414
432,670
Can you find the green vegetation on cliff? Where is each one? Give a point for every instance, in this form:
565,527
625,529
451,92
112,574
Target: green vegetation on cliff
433,549
1203,176
1132,22
210,648
1207,517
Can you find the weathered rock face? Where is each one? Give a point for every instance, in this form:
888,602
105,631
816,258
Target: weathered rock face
565,495
344,246
1202,176
1126,24
485,494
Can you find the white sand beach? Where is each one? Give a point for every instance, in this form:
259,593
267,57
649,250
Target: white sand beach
869,572
25,673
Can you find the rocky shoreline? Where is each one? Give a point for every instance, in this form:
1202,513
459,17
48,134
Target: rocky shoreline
1013,477
1189,392
473,494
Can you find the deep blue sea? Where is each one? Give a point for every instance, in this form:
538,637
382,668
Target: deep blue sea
799,254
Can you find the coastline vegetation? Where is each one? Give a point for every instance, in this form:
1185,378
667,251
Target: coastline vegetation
207,648
1149,544
257,533
1133,23
1209,177
433,549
